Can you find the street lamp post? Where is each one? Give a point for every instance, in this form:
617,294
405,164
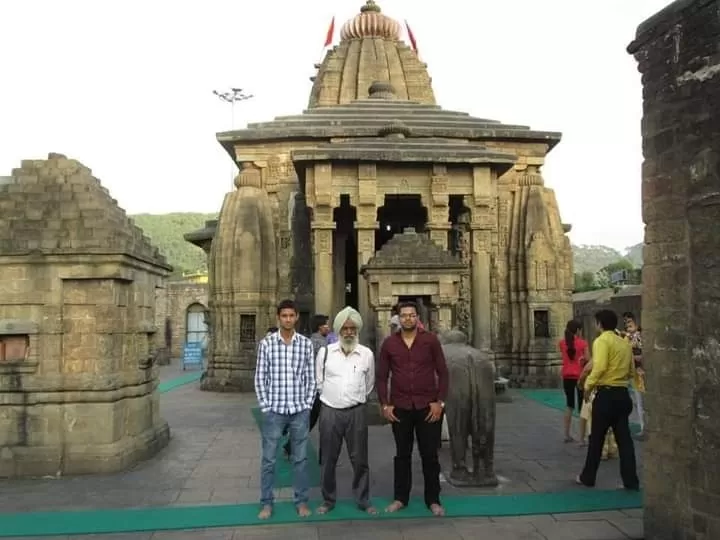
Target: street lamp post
232,96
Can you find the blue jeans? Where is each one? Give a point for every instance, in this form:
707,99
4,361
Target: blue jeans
274,425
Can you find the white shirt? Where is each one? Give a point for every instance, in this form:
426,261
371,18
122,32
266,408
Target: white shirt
349,379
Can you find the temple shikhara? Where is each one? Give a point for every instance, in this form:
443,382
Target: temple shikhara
375,194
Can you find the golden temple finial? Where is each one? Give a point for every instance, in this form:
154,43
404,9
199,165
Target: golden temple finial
371,23
370,5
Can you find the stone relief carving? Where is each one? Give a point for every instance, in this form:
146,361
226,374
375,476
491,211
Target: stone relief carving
462,314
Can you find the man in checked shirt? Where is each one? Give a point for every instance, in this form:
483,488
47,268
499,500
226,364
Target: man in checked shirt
285,386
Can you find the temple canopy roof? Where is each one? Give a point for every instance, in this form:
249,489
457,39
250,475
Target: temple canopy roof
411,250
370,49
367,117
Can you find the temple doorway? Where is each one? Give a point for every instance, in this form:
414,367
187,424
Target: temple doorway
345,253
397,213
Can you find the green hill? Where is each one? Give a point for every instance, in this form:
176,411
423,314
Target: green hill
167,230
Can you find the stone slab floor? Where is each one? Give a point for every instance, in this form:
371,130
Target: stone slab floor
213,457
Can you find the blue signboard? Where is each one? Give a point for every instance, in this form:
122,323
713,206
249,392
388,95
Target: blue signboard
192,354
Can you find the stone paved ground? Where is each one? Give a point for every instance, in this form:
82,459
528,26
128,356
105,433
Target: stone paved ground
213,457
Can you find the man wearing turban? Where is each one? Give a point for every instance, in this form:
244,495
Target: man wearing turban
345,375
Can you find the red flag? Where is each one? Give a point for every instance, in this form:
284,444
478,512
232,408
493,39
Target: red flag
411,36
330,33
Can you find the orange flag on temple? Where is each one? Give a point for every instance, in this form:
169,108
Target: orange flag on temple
330,33
411,36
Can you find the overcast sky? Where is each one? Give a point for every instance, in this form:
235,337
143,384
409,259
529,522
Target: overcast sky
126,88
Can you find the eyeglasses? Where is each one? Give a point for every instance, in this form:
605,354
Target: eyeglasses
346,330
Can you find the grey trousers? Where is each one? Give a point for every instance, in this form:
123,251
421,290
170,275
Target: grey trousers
349,426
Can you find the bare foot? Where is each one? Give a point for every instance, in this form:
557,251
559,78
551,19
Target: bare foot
371,510
437,510
303,510
394,506
324,508
266,512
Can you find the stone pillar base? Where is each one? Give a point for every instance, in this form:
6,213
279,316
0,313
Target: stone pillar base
76,459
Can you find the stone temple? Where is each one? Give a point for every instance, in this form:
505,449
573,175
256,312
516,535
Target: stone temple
375,194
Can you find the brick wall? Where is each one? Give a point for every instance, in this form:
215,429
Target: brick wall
679,58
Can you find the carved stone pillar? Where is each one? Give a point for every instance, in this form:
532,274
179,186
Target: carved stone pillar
481,300
366,225
323,265
366,249
382,326
438,209
444,317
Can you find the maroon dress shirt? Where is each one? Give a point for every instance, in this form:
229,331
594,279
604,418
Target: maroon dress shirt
419,373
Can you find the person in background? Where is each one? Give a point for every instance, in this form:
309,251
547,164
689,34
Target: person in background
394,324
612,369
320,331
415,361
573,349
345,373
285,386
271,330
634,336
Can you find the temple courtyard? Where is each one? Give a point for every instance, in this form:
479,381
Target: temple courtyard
205,484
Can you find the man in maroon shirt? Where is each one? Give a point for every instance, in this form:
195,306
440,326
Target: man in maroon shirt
415,405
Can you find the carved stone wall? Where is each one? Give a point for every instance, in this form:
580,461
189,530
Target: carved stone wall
677,52
77,326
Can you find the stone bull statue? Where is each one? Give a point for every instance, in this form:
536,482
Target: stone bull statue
470,410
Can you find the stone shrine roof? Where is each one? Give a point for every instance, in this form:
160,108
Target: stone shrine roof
56,207
411,251
370,49
365,118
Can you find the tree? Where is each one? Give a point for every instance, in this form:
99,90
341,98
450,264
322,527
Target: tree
602,278
585,281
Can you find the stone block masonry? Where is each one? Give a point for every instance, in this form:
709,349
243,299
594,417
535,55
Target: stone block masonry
678,51
78,280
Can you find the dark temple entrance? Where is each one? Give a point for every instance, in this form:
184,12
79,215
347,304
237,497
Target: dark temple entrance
346,242
397,213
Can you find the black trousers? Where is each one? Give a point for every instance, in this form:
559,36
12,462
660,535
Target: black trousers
314,415
572,390
611,408
412,425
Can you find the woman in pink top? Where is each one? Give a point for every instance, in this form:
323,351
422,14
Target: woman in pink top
574,357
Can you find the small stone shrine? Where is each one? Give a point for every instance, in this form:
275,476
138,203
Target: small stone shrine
78,384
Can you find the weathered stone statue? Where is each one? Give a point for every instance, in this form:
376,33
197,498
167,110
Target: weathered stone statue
470,410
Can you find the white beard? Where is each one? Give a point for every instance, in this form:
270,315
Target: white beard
348,347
